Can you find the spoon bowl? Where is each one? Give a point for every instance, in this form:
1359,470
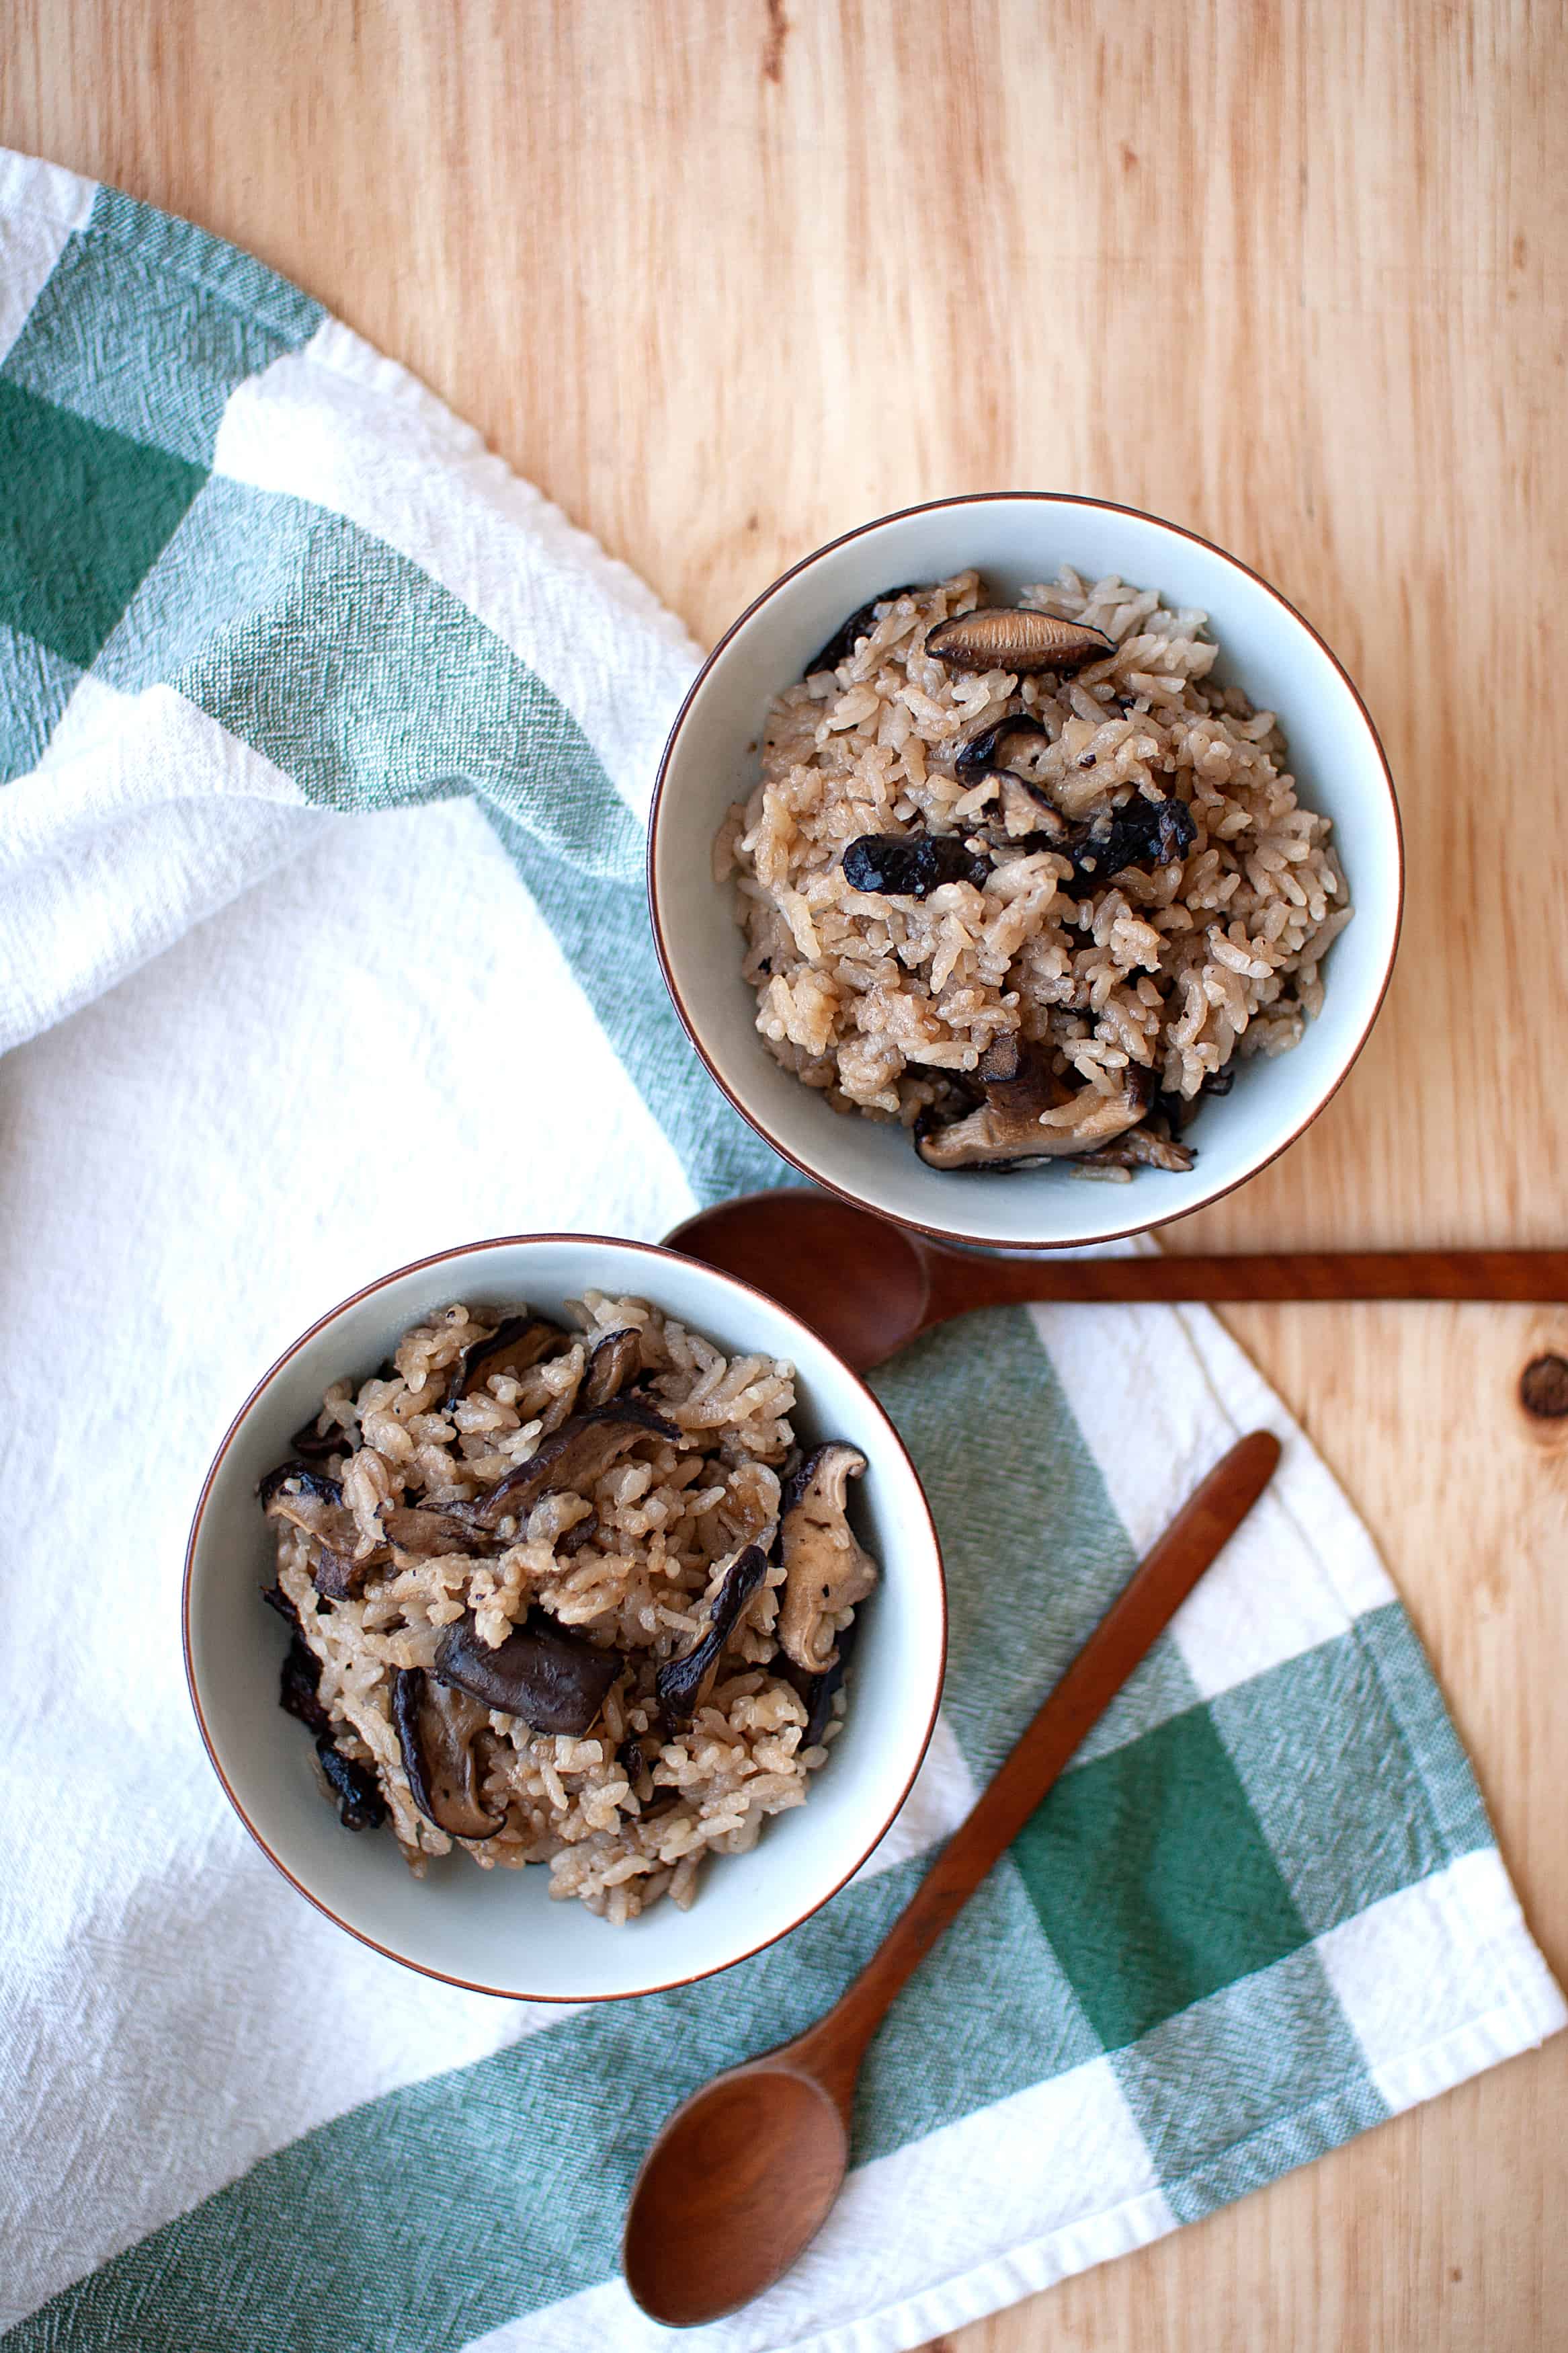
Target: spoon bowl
747,2171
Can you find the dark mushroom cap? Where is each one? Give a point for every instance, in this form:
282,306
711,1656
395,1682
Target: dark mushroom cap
552,1680
436,1726
577,1454
514,1346
860,624
994,746
299,1684
910,865
682,1685
1012,638
299,1477
361,1806
615,1360
1140,833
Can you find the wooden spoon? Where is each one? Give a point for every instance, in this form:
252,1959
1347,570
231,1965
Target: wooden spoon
868,1287
745,2173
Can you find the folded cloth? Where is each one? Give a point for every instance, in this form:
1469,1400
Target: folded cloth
254,583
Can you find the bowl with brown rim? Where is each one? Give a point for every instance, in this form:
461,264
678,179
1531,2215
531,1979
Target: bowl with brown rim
498,1931
712,760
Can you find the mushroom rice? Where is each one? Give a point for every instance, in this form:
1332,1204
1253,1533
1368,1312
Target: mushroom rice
1024,879
567,1595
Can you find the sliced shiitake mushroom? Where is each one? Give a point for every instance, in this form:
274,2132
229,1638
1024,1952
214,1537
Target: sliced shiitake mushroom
1140,1148
1140,833
514,1346
683,1684
817,1691
311,1446
551,1679
299,1686
1012,638
361,1806
826,1570
996,746
910,865
436,1726
422,1532
574,1456
615,1360
315,1506
860,624
1011,1128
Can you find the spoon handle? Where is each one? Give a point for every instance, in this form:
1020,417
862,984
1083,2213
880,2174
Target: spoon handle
960,1281
832,2050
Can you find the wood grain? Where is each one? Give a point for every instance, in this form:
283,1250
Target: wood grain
726,278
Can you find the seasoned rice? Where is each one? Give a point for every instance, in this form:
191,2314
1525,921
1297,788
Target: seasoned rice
1154,977
627,1811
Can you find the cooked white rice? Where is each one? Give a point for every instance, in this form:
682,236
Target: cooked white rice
888,1003
627,1813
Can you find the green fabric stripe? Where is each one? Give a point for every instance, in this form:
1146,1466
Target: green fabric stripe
35,687
1033,1549
84,512
1264,2075
156,240
1416,1705
601,925
1154,1881
359,676
122,336
428,2216
1317,1746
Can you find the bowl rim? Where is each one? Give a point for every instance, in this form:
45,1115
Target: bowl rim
967,1238
588,1241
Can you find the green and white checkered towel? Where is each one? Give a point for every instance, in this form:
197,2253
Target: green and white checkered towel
254,583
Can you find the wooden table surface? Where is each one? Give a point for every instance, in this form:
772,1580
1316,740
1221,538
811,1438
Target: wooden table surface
725,276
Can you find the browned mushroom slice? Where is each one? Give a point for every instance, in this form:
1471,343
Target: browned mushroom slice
552,1680
578,1452
824,1570
581,1532
299,1687
311,1446
1009,636
361,1806
848,634
315,1506
515,1347
1015,1125
817,1691
615,1360
684,1684
425,1534
1140,1148
435,1727
996,746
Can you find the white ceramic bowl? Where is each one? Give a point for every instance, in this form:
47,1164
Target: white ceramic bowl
711,760
498,1931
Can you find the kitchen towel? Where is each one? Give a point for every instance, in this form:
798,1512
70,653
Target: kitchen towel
326,747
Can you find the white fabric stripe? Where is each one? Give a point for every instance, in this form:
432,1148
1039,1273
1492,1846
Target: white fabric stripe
337,423
1299,1570
384,975
143,817
1428,1954
890,2285
40,204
